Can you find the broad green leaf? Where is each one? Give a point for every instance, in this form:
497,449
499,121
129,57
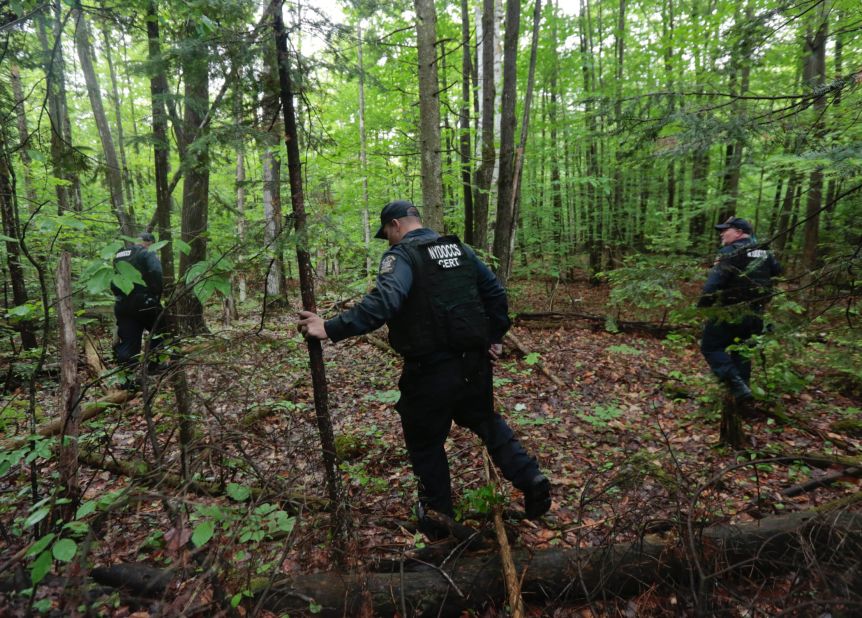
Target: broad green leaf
100,281
21,311
40,545
237,492
126,277
64,550
156,246
37,516
85,509
110,249
203,532
40,567
8,238
183,247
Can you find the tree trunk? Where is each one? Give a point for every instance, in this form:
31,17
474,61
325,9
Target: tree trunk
23,135
158,92
12,229
113,173
70,389
464,144
306,282
485,171
195,213
505,180
429,115
118,114
595,215
620,45
815,76
62,157
272,222
782,227
239,276
522,145
363,158
740,69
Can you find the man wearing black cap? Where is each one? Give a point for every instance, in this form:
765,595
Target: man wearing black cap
740,282
139,309
447,314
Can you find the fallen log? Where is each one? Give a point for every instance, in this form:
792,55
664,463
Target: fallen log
90,410
554,319
768,546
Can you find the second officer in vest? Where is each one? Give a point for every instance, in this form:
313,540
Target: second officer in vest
447,314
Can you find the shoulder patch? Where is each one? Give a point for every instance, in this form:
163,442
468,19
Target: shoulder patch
123,253
387,264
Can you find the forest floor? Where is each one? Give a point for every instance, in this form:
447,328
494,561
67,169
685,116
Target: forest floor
629,443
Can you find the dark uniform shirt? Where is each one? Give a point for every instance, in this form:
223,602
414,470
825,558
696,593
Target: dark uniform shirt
148,264
743,272
394,280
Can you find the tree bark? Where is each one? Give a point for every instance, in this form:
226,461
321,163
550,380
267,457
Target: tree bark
505,180
118,114
158,93
70,389
363,158
814,76
485,171
23,134
464,143
429,115
113,173
306,281
522,144
12,229
62,156
195,210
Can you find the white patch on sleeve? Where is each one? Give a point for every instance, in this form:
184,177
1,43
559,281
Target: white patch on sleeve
387,264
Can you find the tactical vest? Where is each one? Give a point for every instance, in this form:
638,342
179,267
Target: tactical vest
136,256
443,310
752,275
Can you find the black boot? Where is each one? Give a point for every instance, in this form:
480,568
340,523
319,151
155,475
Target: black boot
437,526
738,388
537,497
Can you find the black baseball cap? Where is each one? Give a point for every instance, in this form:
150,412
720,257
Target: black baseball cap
395,210
147,237
735,222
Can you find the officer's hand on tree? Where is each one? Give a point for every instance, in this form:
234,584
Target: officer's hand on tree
311,325
495,351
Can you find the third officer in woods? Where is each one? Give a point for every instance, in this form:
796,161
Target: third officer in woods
140,309
739,285
447,314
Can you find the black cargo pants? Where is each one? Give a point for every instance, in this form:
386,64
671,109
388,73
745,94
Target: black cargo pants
444,387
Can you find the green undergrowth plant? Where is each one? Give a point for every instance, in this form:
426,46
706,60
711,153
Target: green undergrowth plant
650,283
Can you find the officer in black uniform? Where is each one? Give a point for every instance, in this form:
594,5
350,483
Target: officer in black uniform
140,309
447,314
740,283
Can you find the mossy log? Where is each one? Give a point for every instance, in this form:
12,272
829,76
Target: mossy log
768,546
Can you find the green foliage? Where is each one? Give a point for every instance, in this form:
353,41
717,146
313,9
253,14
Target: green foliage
601,415
250,525
479,500
388,396
532,358
649,282
624,349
